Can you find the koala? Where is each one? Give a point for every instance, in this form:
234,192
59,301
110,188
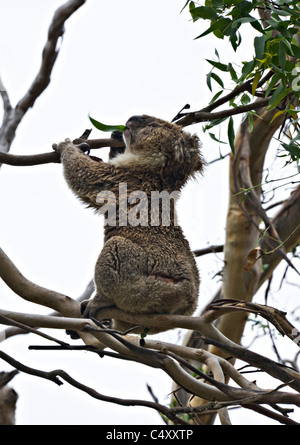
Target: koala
146,265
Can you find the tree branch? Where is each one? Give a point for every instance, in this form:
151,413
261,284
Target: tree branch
210,249
204,116
260,361
33,292
273,315
253,203
13,116
50,53
47,158
57,376
286,222
247,86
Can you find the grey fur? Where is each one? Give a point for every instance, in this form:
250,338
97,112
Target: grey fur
142,269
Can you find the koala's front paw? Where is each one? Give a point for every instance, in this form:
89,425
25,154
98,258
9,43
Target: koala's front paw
59,148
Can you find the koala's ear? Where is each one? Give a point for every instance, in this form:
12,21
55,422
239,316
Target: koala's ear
186,145
199,164
187,150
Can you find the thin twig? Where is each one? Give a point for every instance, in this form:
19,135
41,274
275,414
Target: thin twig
57,376
209,249
205,116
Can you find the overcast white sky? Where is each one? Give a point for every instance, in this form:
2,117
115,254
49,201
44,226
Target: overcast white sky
117,59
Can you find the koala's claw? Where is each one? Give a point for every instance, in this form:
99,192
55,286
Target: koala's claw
88,309
61,146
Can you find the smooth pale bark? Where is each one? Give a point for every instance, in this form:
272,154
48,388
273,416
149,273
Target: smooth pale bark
242,234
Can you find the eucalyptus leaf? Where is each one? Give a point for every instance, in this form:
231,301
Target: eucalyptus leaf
217,79
259,45
282,55
103,127
280,92
231,135
203,12
218,65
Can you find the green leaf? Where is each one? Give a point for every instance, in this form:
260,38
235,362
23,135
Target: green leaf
279,113
245,7
188,1
272,83
232,72
282,55
235,40
280,92
214,138
250,121
245,99
296,51
259,45
255,82
217,79
203,12
231,134
208,80
247,68
288,47
217,4
257,26
104,127
218,65
216,96
293,149
242,20
214,123
220,25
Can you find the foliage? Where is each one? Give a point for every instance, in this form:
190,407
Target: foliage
273,70
104,127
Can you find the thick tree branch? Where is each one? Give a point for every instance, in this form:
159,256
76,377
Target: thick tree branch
50,53
252,201
13,116
46,158
34,293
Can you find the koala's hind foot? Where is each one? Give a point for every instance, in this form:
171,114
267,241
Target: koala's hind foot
90,308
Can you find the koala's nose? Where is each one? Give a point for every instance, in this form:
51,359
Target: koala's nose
135,120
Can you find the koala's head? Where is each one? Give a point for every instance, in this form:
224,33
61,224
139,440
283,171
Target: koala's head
159,146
